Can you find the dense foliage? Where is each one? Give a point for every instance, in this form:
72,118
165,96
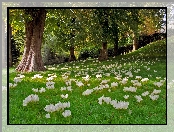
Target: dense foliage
82,28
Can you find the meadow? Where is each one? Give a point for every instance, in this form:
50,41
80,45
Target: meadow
126,89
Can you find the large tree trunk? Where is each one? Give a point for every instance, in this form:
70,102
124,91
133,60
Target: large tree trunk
32,59
10,50
103,53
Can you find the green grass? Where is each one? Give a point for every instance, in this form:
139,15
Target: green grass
86,109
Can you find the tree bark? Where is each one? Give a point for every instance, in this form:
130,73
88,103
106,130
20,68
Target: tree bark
10,50
135,43
116,47
72,56
32,59
103,53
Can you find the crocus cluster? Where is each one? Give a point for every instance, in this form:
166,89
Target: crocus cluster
37,76
37,90
30,98
124,81
50,85
12,85
158,84
119,104
145,93
116,104
154,97
86,78
51,77
144,80
56,107
131,89
156,91
79,83
98,76
129,73
114,84
87,92
69,88
17,79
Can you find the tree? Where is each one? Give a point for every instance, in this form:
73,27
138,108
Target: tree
34,27
103,19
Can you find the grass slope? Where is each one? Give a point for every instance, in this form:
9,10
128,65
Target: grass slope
148,62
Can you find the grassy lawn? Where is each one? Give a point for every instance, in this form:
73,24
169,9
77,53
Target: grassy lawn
148,62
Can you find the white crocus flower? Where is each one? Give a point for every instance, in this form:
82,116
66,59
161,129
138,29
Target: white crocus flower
156,91
87,92
86,78
137,84
69,88
47,115
37,76
79,84
159,84
98,76
50,85
134,81
144,79
12,85
107,99
42,90
50,108
104,81
138,97
35,90
100,100
107,74
126,96
63,88
17,79
66,113
158,77
68,83
109,90
64,96
131,89
145,93
138,77
21,76
50,79
114,84
88,84
124,81
154,97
